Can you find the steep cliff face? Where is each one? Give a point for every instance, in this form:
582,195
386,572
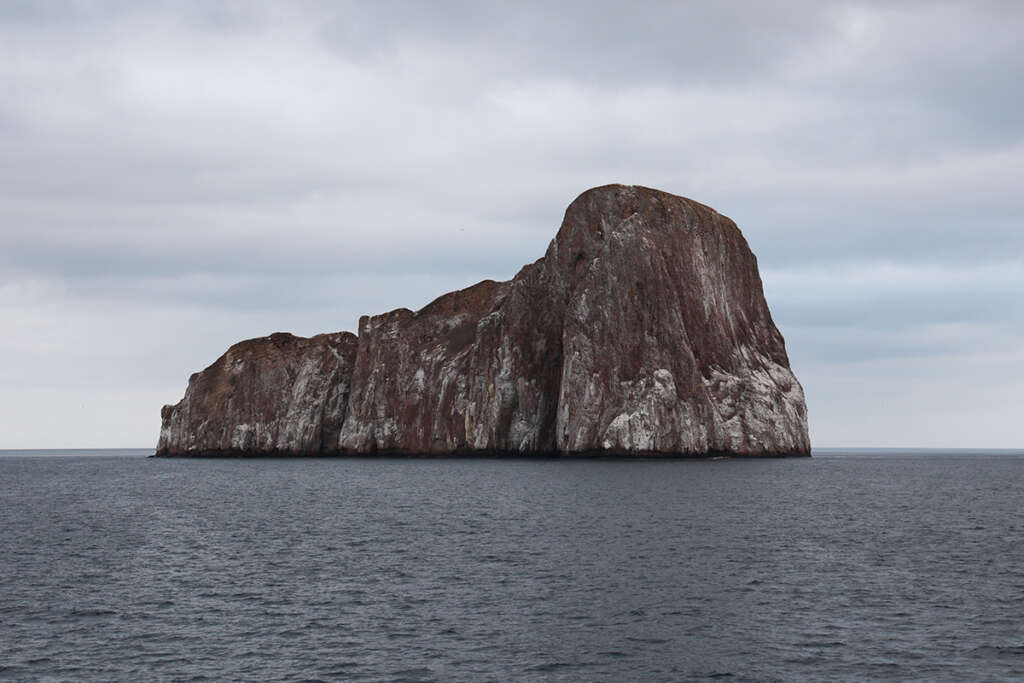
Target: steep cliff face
477,370
278,394
668,343
642,330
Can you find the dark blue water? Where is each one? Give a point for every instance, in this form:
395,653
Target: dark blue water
844,566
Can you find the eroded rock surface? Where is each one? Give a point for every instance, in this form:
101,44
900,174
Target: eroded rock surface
643,330
273,395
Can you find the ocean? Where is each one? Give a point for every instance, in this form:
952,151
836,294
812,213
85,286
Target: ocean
851,565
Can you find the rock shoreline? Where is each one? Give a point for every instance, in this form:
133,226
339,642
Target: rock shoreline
643,331
480,454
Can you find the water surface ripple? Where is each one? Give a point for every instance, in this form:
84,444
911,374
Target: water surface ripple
853,566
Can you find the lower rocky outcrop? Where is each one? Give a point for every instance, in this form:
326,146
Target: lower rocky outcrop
280,394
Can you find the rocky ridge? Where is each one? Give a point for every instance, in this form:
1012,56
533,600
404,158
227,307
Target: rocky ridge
642,331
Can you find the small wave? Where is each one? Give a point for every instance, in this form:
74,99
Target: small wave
340,670
999,650
98,612
550,666
418,674
395,635
821,643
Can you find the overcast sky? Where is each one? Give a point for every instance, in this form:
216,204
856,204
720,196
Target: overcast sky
177,177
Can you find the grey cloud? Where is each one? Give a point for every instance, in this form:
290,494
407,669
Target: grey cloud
605,42
931,64
852,344
218,170
870,312
914,402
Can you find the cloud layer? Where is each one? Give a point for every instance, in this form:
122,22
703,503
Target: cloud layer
176,177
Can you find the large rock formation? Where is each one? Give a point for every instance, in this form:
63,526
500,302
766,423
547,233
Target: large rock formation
642,330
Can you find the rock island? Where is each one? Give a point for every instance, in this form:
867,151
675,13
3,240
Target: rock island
642,331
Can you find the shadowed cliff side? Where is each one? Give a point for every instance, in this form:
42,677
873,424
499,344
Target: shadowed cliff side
643,330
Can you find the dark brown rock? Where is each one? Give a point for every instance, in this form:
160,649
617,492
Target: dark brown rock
668,343
274,395
643,330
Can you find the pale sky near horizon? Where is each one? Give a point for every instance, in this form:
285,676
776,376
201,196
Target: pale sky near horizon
178,176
